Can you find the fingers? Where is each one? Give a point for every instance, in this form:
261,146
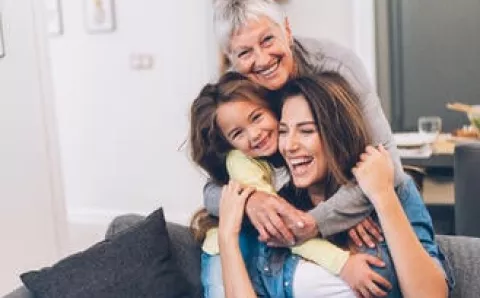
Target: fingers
372,260
380,280
263,234
373,229
365,237
289,213
358,294
370,150
375,290
285,233
364,156
355,238
269,228
382,150
364,292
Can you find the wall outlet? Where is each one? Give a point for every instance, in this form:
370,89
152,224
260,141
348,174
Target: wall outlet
142,61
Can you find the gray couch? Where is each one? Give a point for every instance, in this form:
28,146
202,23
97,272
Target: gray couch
463,253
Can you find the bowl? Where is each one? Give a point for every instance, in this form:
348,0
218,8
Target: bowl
474,117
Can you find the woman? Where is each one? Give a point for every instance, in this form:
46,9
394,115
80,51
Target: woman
256,37
321,138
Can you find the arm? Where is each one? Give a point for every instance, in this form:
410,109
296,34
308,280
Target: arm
249,171
243,169
348,206
258,174
211,197
417,273
234,273
326,56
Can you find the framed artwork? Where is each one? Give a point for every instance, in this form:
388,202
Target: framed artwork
54,17
99,16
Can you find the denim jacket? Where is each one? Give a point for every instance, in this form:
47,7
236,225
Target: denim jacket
272,270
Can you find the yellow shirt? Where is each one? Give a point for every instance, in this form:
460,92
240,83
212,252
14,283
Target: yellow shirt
259,174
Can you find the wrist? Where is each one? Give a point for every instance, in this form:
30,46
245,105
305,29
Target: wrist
384,199
227,239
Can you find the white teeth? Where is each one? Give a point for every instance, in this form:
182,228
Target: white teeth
260,144
300,160
270,70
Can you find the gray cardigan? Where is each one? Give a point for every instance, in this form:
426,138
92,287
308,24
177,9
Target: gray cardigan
348,206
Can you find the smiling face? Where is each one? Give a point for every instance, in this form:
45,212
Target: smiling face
300,143
261,51
249,127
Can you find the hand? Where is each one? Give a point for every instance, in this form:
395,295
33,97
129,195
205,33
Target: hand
232,206
374,173
302,231
306,232
362,279
267,214
364,232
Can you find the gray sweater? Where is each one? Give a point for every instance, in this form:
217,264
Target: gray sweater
348,206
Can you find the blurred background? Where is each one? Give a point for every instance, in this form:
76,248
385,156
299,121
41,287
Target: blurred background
95,96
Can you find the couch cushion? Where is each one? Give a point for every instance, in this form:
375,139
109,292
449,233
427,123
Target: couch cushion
185,250
463,255
134,263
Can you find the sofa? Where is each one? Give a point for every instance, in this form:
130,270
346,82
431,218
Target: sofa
463,253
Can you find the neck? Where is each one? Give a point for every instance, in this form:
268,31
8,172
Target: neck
317,193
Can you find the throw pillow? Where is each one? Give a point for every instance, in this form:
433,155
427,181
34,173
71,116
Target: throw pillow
134,263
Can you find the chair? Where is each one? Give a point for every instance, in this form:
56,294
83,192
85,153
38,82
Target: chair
418,175
467,189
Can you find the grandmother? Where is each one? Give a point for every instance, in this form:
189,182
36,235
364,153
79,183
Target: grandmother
256,38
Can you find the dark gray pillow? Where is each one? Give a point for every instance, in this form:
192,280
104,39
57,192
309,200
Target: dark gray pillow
134,263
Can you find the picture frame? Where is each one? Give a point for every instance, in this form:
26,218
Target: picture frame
99,16
54,17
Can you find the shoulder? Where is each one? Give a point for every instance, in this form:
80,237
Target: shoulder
325,49
237,159
324,55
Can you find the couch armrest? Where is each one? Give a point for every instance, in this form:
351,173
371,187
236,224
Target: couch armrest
122,223
464,256
21,292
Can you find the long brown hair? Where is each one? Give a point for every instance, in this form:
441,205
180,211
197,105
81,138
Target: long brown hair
208,146
339,120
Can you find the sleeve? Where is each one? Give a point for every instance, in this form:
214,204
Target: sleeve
249,171
346,63
323,253
212,193
348,206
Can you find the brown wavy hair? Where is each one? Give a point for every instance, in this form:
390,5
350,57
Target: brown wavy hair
208,146
338,116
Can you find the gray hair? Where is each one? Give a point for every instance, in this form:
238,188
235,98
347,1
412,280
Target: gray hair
230,15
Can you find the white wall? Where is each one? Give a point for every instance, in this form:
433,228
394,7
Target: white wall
348,22
32,215
120,128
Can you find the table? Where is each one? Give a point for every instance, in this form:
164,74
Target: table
442,154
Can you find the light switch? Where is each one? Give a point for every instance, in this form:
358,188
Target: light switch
2,48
